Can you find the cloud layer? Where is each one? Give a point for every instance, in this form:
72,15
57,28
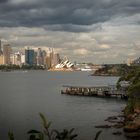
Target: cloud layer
103,31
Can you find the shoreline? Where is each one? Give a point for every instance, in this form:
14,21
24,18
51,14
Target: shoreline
127,125
132,125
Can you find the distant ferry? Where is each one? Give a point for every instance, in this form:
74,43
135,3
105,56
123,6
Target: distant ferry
86,69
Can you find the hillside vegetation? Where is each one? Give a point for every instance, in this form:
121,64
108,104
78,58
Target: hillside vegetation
132,110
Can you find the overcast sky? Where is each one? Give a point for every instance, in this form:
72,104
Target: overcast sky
97,31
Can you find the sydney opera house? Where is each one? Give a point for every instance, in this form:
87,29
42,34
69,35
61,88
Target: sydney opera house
64,65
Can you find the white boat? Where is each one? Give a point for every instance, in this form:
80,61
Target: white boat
86,69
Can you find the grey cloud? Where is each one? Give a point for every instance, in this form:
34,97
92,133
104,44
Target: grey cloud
65,14
73,28
4,1
70,25
67,42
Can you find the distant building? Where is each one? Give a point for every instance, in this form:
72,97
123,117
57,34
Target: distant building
49,58
6,53
32,56
48,62
1,55
44,55
16,58
22,59
35,57
129,61
1,60
136,61
29,57
55,59
39,57
1,48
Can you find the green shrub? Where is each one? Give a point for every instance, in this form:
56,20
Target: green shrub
52,134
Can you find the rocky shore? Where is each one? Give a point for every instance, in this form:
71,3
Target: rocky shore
132,125
116,122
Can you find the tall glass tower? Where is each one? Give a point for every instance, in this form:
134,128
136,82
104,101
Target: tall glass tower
29,57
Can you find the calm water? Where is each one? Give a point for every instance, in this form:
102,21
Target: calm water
24,94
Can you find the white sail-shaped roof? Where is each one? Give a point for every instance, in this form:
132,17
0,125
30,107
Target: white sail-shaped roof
64,63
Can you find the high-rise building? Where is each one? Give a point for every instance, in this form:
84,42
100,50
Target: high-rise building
55,59
6,53
22,59
39,57
1,54
49,58
52,58
1,48
44,54
16,58
48,62
1,60
29,57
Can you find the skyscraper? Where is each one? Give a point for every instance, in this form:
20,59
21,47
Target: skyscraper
6,53
22,58
55,59
1,60
29,57
48,62
0,48
16,58
44,54
39,57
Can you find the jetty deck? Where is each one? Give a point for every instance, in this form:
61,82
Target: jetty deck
101,91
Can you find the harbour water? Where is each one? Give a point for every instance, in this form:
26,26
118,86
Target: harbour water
24,94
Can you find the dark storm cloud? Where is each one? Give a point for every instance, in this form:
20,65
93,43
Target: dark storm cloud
72,28
63,14
3,1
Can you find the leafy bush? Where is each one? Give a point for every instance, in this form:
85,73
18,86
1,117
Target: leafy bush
134,90
51,134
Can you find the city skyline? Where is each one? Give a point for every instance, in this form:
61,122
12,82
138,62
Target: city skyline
103,31
29,56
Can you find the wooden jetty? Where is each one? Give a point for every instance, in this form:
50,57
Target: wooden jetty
99,91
